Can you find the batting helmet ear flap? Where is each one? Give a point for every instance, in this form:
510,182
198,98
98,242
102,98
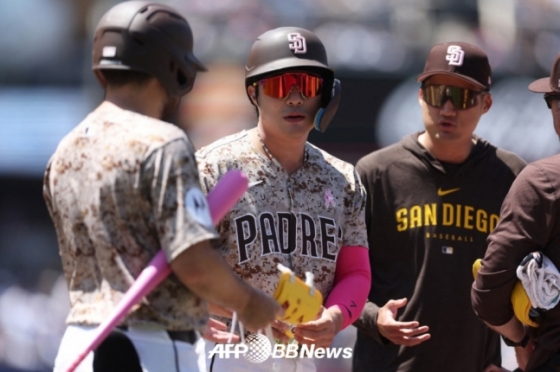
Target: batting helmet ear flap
324,115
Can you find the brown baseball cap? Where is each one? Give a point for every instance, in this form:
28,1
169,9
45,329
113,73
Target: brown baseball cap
460,59
549,84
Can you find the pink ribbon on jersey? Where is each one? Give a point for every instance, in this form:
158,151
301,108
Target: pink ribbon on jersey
329,198
220,199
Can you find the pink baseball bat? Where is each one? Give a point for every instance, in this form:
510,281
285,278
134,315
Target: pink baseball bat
220,200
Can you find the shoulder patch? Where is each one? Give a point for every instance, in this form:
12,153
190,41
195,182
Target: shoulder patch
197,206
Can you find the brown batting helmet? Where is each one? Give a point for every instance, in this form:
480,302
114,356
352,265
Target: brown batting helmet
293,48
147,37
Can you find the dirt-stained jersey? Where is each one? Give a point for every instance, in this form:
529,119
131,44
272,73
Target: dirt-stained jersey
120,187
300,220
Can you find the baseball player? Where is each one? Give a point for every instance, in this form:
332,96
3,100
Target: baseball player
304,208
124,184
433,198
528,223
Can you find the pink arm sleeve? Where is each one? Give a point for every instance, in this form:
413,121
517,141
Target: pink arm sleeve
352,282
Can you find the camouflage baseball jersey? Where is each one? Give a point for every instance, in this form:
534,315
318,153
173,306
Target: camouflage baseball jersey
119,187
300,220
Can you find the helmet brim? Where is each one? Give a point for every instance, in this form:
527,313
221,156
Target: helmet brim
283,64
541,86
420,78
194,61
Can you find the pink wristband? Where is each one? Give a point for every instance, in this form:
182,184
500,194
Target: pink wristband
352,282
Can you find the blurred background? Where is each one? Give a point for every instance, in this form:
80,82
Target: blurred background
376,46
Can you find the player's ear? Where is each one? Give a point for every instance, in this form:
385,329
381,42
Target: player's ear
100,78
251,90
486,102
420,93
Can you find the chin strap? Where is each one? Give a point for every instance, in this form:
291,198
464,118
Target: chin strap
325,114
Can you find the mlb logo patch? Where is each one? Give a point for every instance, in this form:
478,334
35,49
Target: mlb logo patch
109,51
447,250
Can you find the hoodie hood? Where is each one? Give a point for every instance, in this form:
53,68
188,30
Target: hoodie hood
479,151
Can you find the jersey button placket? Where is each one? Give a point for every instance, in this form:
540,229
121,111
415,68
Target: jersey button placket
289,189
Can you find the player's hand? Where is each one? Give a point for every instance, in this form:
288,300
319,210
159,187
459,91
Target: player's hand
523,354
400,333
260,311
321,331
278,329
217,331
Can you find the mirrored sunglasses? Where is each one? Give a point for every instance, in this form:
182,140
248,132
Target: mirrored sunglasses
280,86
461,98
549,98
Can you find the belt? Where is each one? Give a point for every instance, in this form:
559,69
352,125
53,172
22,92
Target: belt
183,336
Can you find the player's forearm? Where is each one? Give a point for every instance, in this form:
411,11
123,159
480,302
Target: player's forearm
224,289
352,284
367,322
219,310
338,318
513,330
204,271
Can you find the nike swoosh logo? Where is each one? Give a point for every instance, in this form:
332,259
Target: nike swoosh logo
249,68
255,183
441,192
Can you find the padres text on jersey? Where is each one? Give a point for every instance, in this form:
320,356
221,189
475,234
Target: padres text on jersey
300,220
